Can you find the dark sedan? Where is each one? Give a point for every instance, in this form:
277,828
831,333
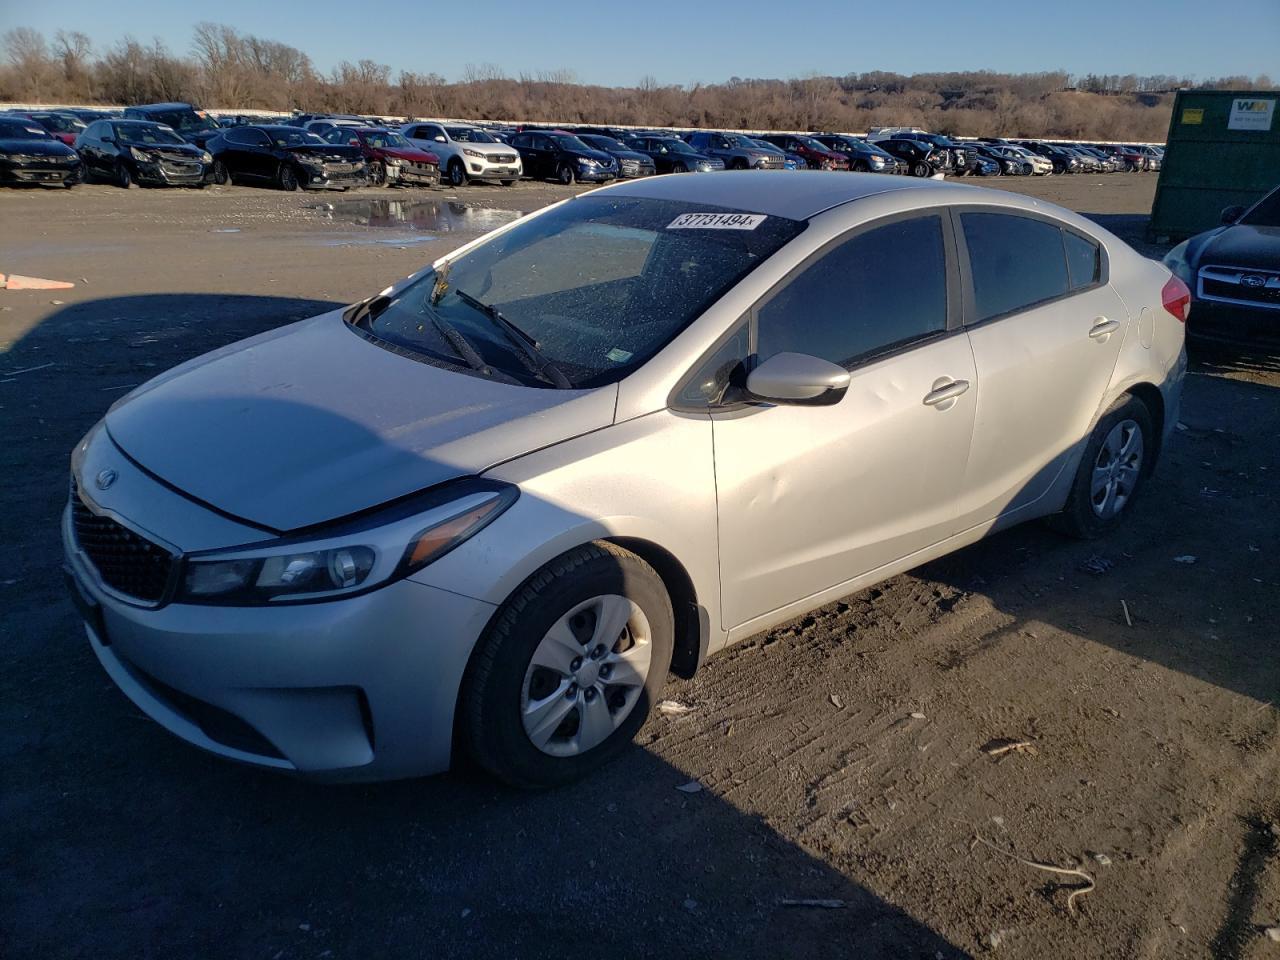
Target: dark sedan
554,154
286,157
60,126
28,154
192,125
921,158
125,151
673,155
1234,274
631,163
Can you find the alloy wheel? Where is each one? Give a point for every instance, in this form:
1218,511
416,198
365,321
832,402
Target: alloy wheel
1116,470
586,675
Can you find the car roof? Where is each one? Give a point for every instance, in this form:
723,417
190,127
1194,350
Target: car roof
794,194
161,106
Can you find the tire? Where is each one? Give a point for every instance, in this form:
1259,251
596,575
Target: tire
287,178
123,177
508,183
221,175
507,700
860,166
921,169
377,174
679,167
738,164
564,175
1117,461
457,173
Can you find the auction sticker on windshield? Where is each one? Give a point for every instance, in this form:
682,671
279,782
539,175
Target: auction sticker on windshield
716,221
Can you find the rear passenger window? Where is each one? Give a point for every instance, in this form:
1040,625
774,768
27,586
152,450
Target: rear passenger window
1084,260
1015,262
879,290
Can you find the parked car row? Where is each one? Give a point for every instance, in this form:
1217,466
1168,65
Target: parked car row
175,144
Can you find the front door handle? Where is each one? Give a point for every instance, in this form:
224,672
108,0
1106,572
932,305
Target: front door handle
944,392
1103,328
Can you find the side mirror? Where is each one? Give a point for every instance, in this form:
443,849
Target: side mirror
440,139
797,378
1231,214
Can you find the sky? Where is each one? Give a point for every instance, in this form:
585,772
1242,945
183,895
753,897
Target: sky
709,41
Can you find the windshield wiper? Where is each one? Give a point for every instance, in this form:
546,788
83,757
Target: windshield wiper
458,342
533,357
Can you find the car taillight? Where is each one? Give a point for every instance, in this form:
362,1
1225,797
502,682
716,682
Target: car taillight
1176,297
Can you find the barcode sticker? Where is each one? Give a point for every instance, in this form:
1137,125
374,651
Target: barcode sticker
716,221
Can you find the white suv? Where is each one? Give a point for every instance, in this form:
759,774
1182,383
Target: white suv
466,153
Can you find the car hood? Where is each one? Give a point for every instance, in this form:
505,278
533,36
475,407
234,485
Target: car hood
1242,245
168,149
631,155
313,422
599,156
35,148
416,156
330,151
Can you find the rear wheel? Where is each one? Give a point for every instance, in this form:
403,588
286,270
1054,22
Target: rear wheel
679,167
567,671
1116,462
287,178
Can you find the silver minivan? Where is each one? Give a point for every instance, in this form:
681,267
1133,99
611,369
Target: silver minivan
489,509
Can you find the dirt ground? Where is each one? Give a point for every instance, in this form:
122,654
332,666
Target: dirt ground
841,756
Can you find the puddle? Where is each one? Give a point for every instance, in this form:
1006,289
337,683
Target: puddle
421,216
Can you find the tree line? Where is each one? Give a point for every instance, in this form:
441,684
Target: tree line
228,69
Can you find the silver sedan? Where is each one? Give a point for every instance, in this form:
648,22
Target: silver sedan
492,507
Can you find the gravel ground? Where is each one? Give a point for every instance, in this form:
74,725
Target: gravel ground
840,756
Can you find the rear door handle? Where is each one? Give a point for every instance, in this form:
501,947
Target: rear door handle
944,390
1103,328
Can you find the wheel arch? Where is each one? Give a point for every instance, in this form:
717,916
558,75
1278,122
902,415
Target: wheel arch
691,629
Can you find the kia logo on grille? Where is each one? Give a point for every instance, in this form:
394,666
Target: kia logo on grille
1254,281
105,479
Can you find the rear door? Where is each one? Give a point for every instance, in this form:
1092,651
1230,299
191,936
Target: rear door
812,496
1046,329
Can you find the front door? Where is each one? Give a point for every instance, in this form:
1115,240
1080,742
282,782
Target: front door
811,497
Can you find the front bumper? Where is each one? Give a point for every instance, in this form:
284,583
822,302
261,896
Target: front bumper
1234,323
171,173
362,688
587,175
41,174
414,174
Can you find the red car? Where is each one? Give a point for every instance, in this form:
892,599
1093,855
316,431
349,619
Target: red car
817,155
61,126
390,157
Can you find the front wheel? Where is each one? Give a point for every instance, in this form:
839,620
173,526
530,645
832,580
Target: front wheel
679,168
123,177
508,183
288,178
921,169
457,174
568,669
565,175
1117,460
378,174
221,175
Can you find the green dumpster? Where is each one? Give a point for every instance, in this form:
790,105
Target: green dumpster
1223,149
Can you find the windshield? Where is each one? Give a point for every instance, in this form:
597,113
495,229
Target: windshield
600,283
59,124
470,135
567,141
811,144
740,141
22,130
183,120
676,146
150,134
383,140
283,137
1266,213
604,143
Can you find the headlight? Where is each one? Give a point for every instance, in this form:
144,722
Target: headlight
350,557
310,161
141,155
472,153
1176,261
587,162
206,157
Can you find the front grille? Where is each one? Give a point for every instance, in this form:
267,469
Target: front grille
1241,285
502,158
127,562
